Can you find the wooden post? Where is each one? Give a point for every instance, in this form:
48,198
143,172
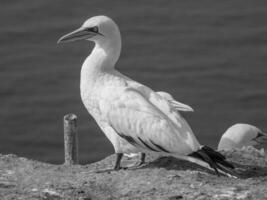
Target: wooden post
70,139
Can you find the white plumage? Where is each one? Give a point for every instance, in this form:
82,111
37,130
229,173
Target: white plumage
240,135
132,116
176,104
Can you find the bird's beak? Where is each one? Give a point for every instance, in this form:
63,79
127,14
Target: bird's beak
79,34
261,138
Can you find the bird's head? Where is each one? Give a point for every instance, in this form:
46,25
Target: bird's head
99,29
240,135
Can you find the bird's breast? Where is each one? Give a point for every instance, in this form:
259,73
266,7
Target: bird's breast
96,90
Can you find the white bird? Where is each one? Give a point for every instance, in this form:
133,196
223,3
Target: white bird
240,135
143,120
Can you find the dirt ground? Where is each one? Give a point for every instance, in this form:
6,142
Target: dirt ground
160,178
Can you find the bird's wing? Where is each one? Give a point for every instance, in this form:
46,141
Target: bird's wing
148,122
176,104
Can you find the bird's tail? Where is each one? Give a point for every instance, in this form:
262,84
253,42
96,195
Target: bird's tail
211,159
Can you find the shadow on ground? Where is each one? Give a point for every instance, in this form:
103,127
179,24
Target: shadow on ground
171,163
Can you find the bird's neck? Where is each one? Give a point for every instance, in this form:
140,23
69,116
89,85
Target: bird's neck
101,60
103,57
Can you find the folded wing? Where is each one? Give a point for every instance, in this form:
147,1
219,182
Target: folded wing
148,122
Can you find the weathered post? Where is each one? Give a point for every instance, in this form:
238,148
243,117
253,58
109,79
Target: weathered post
70,139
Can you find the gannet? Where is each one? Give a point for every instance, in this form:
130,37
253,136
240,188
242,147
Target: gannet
240,135
143,120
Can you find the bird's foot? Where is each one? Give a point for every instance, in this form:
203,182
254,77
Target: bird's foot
143,159
117,166
138,164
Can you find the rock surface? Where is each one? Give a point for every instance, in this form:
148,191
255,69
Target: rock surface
160,178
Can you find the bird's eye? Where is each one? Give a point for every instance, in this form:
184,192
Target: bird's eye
93,29
259,134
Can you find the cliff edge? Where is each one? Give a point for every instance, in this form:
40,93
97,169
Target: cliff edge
160,178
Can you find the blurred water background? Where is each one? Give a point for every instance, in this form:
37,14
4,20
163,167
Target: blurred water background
211,55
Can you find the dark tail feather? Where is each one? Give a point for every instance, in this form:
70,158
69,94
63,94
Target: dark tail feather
217,157
215,160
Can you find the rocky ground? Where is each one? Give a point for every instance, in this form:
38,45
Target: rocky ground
161,178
